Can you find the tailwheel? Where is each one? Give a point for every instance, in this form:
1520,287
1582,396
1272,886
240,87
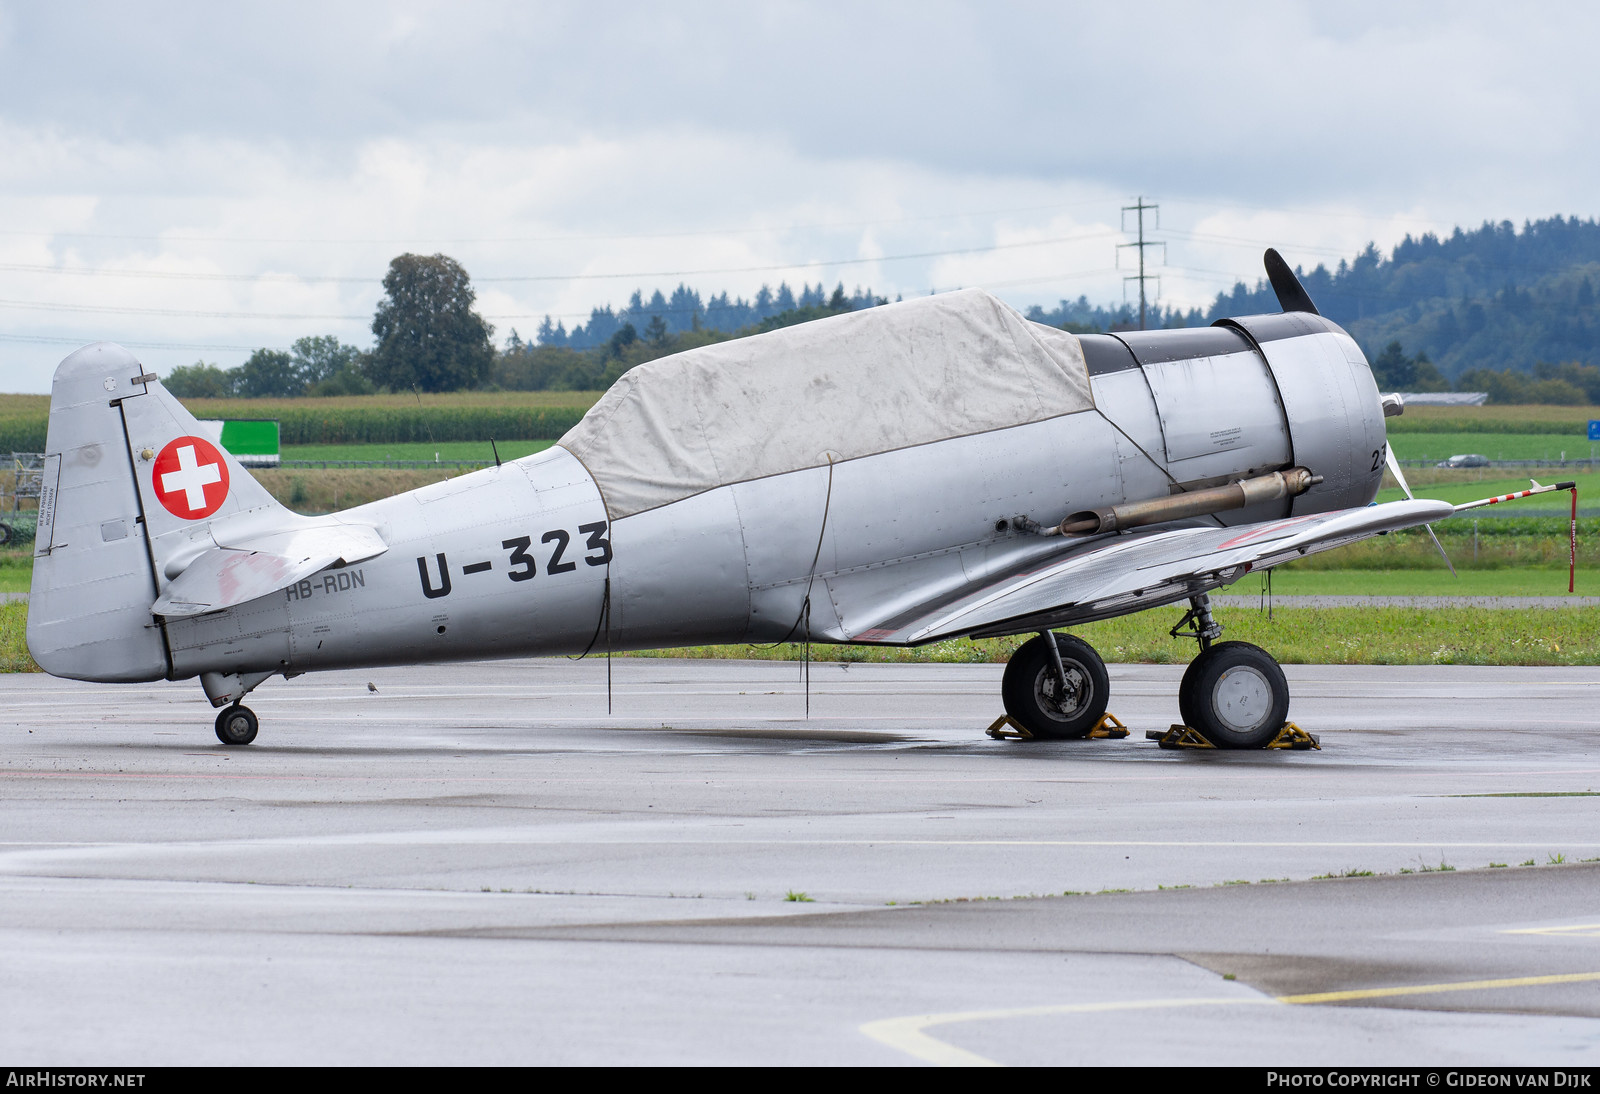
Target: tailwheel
1059,699
1235,694
237,725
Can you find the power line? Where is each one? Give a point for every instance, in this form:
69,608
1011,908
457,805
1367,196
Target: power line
183,275
178,313
17,267
1241,241
705,309
1338,213
53,340
698,233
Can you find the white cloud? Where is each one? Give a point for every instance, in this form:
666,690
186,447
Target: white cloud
321,140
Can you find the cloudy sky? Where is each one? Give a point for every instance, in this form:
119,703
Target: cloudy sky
195,180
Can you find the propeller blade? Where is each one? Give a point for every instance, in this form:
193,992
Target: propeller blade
1399,477
1292,295
1442,555
1394,469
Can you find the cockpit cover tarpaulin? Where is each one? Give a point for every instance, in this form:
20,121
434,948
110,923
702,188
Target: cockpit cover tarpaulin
843,387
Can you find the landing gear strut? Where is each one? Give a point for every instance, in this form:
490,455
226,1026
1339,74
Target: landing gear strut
1056,686
237,725
1234,693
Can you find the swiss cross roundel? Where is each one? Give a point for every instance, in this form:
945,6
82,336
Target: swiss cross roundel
191,478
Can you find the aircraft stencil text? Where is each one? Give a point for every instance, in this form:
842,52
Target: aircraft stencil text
522,562
336,581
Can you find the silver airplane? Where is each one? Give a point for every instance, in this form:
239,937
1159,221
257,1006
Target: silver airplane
897,476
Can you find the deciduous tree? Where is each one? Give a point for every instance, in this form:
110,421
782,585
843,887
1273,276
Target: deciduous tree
428,335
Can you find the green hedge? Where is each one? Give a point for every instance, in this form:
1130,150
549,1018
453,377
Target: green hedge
394,425
368,425
1567,427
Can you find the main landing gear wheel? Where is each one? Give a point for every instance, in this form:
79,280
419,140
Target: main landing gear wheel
1034,695
237,725
1235,695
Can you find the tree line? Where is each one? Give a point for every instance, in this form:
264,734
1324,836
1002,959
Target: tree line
428,337
686,311
1566,384
1494,309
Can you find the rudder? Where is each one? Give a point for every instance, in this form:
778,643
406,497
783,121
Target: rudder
89,609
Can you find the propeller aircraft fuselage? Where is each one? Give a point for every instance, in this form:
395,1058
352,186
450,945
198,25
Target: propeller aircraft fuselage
906,474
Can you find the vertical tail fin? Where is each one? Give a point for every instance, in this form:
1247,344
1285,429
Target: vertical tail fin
132,487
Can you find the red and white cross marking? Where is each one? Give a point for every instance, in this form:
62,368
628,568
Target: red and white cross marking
191,478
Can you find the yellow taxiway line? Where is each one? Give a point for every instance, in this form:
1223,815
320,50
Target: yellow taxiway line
908,1034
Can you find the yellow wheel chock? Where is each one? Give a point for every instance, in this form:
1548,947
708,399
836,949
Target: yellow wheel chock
1292,736
1181,736
1007,728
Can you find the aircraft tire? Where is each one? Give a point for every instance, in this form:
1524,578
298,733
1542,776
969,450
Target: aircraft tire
1187,686
1236,695
1029,684
237,725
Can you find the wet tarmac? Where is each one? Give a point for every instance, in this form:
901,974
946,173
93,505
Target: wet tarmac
477,864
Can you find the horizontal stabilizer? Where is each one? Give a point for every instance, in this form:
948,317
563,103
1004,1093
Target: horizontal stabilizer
347,543
237,572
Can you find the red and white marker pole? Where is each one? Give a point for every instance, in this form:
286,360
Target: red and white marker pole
1572,556
1572,545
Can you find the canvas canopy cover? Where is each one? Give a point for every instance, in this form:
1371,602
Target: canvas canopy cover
841,388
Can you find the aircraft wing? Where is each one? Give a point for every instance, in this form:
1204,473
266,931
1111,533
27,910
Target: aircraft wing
243,570
1119,574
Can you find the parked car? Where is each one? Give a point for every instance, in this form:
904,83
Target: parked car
1464,461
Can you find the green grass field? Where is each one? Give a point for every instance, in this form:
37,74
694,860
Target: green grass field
1493,483
16,569
1531,418
1316,636
444,450
1496,446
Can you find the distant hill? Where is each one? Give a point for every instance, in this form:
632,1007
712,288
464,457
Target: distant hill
1494,298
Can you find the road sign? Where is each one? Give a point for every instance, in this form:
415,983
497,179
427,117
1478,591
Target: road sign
253,442
1594,429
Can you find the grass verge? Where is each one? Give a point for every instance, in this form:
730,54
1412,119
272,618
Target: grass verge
1317,636
13,639
1309,636
1436,581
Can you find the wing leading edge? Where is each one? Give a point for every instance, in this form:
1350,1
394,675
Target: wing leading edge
1119,574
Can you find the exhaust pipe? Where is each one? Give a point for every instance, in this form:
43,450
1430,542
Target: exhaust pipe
1197,503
